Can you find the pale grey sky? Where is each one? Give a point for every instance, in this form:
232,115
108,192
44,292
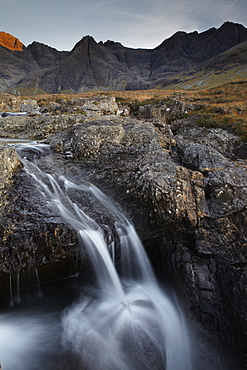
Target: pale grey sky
134,23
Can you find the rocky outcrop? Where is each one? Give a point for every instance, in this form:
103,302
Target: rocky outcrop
9,165
56,116
170,110
36,127
33,240
183,187
10,103
30,106
188,202
91,107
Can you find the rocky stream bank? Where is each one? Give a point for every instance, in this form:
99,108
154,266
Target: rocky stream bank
183,185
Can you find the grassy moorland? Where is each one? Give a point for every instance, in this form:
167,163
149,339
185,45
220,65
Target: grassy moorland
223,106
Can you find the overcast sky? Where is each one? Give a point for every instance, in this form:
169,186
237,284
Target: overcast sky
134,23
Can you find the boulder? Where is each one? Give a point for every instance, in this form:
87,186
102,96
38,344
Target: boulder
103,105
30,106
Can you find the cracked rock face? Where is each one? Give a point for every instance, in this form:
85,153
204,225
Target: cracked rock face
188,202
31,235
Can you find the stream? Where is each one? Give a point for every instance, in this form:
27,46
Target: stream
115,318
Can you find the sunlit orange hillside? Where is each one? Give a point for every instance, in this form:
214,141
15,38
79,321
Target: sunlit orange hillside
10,42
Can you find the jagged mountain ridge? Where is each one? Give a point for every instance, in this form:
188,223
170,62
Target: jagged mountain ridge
111,66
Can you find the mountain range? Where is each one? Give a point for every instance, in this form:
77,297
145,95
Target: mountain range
185,60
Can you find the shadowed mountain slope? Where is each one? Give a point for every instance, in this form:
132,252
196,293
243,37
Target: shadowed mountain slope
15,61
93,66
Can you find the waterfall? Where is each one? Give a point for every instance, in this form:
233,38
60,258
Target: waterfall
126,321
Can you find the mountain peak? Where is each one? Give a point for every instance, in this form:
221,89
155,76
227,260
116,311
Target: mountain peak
111,66
10,42
86,41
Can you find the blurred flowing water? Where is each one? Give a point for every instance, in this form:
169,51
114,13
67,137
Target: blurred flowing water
124,321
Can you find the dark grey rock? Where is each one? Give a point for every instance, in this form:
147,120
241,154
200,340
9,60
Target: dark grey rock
187,200
191,215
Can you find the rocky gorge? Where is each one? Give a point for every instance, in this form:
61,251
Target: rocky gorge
182,184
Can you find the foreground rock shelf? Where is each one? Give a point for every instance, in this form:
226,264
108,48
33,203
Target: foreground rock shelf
182,186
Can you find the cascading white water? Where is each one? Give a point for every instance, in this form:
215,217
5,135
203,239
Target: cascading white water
126,322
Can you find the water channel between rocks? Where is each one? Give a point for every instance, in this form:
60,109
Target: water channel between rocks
116,318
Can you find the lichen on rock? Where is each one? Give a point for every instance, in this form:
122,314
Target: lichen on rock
9,165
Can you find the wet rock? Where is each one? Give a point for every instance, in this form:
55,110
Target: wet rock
188,202
33,237
186,195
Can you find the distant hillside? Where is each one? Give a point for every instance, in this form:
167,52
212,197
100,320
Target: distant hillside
185,60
